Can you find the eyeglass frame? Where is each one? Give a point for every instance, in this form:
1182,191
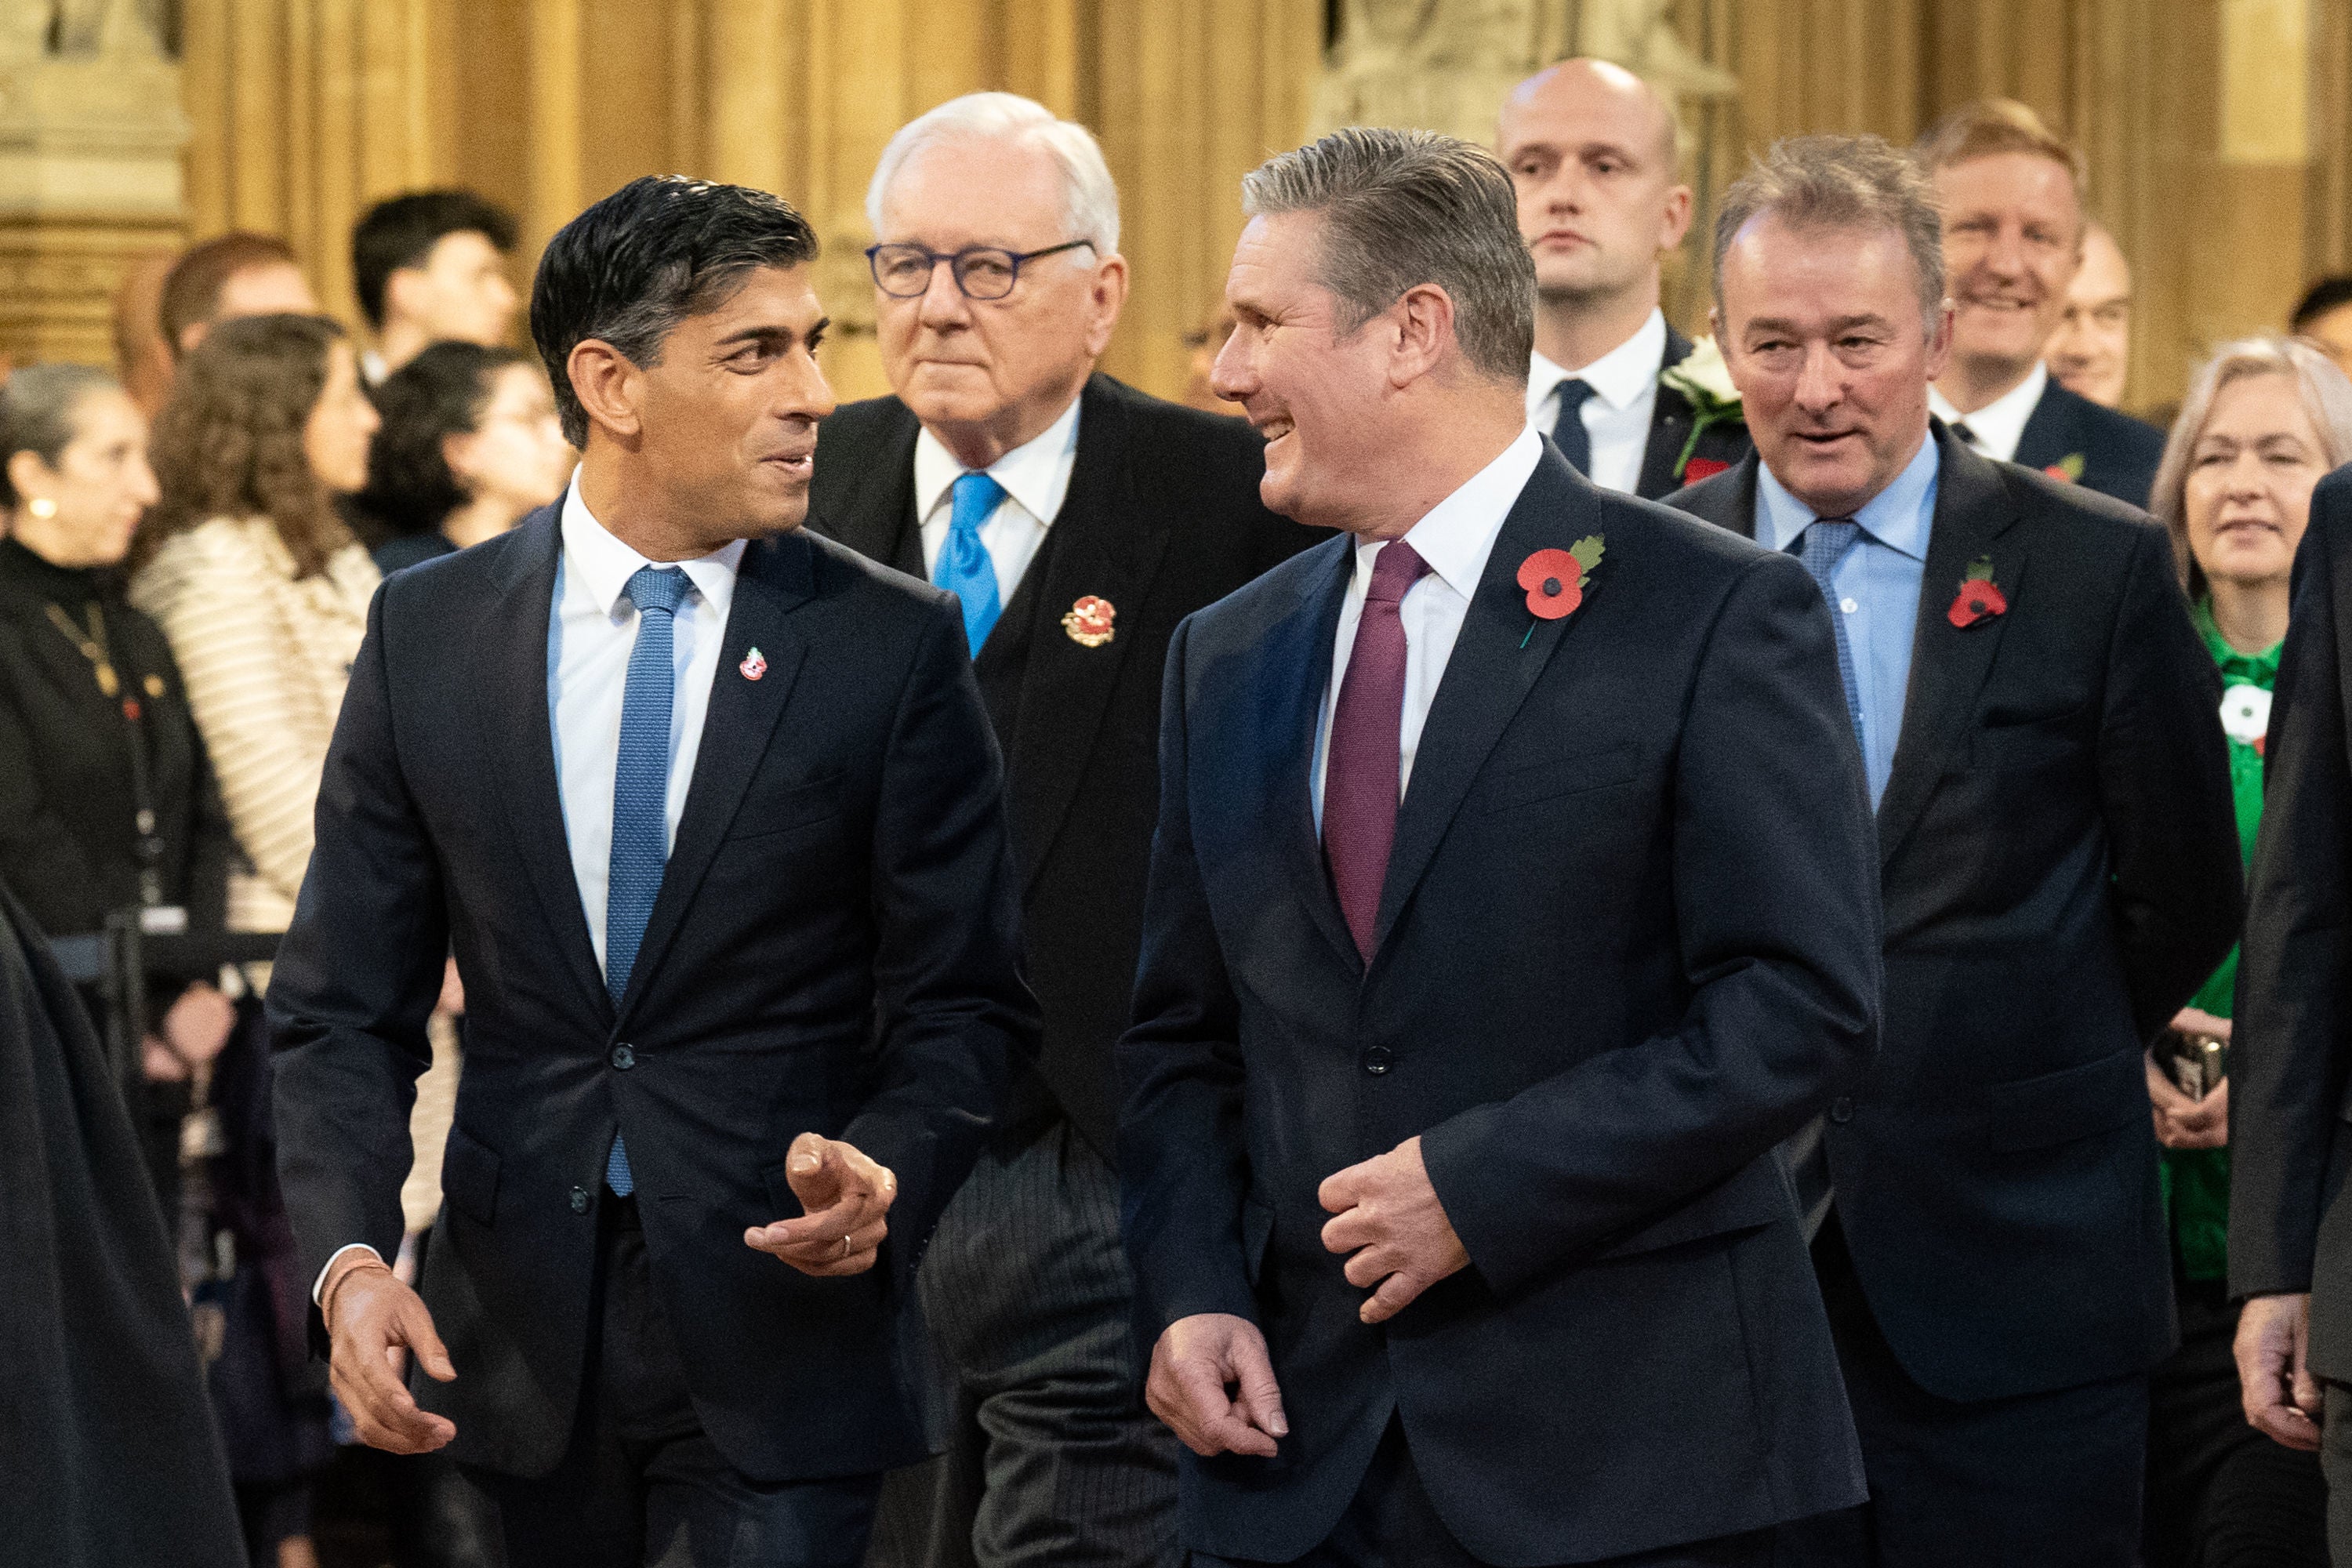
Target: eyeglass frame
956,263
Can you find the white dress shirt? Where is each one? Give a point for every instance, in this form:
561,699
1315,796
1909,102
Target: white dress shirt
1036,478
1456,536
1999,425
591,630
1624,382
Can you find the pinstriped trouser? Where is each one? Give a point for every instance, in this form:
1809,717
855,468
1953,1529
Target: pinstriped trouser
1054,1460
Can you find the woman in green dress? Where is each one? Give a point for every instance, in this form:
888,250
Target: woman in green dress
2263,421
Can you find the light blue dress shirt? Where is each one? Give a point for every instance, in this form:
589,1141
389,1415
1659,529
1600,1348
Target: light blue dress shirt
1877,585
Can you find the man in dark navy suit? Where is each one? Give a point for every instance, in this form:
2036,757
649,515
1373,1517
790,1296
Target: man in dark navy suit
2058,853
2012,193
709,811
1512,897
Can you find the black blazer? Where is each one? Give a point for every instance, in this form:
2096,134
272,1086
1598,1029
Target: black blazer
2059,858
833,950
1163,517
2117,452
1663,463
1629,940
67,808
2291,1055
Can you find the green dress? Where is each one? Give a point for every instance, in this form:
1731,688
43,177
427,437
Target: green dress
2196,1180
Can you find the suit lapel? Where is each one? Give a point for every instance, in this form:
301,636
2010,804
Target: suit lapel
776,577
1948,665
1670,422
2050,433
1297,667
1495,661
875,516
518,735
1108,547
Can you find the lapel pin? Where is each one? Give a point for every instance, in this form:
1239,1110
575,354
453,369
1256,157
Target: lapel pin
1090,621
754,665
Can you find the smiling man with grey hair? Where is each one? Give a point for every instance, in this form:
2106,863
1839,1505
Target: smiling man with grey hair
2057,856
1080,520
1512,897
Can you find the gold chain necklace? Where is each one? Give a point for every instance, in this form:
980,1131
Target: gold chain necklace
92,645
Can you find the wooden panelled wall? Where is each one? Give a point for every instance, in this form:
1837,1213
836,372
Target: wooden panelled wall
305,111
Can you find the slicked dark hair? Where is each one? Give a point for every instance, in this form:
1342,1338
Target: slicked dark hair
2327,296
401,231
441,393
631,267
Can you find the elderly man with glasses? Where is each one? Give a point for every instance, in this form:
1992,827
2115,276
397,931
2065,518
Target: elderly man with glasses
1078,522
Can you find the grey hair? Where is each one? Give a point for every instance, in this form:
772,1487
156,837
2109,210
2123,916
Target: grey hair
36,413
2323,388
1402,208
1089,196
1813,183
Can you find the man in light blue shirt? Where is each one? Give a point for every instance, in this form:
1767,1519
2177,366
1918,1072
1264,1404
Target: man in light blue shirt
1875,593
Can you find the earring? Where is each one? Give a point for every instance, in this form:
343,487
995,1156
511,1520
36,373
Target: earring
42,507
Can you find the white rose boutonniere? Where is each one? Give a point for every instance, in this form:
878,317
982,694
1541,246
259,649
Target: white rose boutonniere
1706,384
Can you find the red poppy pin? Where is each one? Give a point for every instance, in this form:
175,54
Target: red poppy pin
1699,468
754,665
1980,598
1555,580
1090,621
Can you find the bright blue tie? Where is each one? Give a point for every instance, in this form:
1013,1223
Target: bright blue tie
1824,545
640,796
963,567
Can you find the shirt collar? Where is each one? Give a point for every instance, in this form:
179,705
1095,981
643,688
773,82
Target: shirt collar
1900,517
1999,425
1457,535
605,565
1618,378
1036,473
2253,668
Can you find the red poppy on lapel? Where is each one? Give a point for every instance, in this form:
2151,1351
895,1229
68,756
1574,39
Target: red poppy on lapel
1699,468
1556,579
1980,598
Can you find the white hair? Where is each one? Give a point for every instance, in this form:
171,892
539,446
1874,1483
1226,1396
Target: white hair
1089,198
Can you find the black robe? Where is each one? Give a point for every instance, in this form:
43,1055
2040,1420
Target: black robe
108,1450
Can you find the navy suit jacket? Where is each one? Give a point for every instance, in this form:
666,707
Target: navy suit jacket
2118,453
2058,852
1628,942
833,950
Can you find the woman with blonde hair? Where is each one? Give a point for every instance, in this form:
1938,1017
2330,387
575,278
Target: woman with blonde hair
2263,421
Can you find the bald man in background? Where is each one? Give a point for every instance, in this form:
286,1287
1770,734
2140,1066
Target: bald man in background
2090,354
1592,151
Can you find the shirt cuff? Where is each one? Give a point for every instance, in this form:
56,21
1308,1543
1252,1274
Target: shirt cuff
319,1284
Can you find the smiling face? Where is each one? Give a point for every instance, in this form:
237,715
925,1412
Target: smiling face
1823,333
1591,150
342,422
2012,237
2090,351
727,419
1317,396
2248,492
987,376
99,486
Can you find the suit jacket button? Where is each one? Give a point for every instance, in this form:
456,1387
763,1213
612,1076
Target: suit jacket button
1379,1059
623,1058
579,1200
1841,1109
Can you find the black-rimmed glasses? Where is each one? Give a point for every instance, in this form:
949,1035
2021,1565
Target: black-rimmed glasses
982,271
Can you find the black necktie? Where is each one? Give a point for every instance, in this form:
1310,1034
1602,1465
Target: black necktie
1569,434
1965,434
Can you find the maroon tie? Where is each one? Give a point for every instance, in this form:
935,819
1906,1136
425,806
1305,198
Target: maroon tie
1360,778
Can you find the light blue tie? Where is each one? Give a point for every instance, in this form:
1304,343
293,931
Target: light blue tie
640,796
963,567
1824,545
